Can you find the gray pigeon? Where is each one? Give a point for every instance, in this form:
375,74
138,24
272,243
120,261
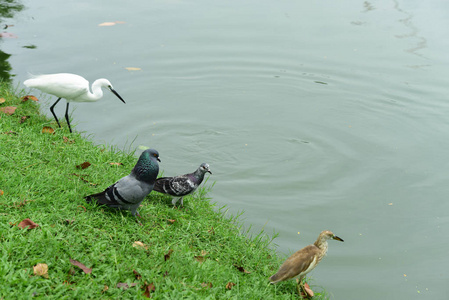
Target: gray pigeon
129,192
183,185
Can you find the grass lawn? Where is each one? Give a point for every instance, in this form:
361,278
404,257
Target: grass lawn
91,252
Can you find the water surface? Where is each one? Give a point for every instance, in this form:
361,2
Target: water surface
312,114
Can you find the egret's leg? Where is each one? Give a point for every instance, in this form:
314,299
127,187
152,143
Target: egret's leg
53,112
67,116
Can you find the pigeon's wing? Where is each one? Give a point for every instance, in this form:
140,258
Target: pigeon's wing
131,190
106,197
174,186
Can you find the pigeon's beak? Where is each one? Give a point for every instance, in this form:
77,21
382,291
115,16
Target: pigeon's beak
115,93
208,171
158,159
337,238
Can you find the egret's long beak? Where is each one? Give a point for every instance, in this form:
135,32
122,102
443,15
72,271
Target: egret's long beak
337,238
115,93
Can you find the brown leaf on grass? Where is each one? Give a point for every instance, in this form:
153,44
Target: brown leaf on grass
308,290
199,258
84,165
105,289
149,288
48,129
167,256
66,140
27,223
123,285
2,100
22,203
206,285
229,285
9,110
1,192
171,221
29,97
10,132
84,179
23,119
115,164
241,269
139,244
138,276
41,270
81,266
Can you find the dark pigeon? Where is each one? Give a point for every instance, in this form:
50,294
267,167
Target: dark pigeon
183,185
129,192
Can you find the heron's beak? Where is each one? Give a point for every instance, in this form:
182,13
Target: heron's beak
115,93
337,238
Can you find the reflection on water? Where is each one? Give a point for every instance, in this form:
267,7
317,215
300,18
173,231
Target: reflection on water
8,9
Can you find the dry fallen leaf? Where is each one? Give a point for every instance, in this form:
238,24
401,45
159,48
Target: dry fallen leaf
8,35
133,69
81,266
66,140
23,119
47,129
138,276
123,285
199,258
10,132
84,165
308,290
107,24
229,285
115,164
139,244
241,269
105,289
206,285
148,289
29,97
167,256
1,192
171,221
2,100
41,270
27,223
9,110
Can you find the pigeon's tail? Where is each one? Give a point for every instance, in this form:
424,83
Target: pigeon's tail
162,185
99,198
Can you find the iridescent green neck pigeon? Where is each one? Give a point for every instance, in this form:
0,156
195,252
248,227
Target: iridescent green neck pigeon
129,192
183,185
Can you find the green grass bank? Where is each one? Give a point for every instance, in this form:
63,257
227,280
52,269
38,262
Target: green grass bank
198,252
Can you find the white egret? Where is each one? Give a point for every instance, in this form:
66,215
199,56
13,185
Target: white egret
70,87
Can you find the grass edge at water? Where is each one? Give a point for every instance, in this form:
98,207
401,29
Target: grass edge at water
195,252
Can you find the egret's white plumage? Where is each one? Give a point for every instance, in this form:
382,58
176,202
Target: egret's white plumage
70,87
